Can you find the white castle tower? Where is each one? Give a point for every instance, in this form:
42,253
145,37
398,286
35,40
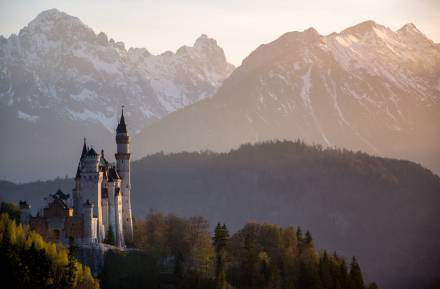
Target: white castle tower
91,185
123,168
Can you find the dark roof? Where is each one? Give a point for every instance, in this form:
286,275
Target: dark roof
59,199
112,174
24,205
84,150
60,195
62,203
122,128
78,172
92,153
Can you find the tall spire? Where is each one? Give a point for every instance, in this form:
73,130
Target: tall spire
84,150
122,128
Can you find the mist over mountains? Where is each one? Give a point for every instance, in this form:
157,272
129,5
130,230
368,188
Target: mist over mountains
366,88
60,81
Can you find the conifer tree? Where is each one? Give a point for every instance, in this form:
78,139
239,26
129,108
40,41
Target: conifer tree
356,279
299,235
308,238
220,239
70,275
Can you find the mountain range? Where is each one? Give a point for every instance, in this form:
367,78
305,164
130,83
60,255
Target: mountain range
60,81
366,88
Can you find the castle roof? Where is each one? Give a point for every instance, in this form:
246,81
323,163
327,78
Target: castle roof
59,198
78,172
122,128
113,174
24,205
84,150
60,195
92,153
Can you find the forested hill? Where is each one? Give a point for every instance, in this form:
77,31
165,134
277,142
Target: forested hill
383,211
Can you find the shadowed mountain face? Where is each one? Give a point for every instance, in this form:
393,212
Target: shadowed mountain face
383,211
60,80
367,88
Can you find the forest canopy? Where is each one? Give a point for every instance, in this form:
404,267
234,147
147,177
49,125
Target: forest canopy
179,252
27,261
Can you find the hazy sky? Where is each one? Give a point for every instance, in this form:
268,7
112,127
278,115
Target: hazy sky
238,26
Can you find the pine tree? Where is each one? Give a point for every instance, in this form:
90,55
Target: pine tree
355,275
308,239
299,234
324,271
70,275
220,239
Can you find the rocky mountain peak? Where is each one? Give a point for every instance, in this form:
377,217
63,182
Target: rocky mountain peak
202,46
366,30
409,28
410,34
50,19
361,28
55,25
204,41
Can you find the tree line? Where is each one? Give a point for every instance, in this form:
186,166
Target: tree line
174,252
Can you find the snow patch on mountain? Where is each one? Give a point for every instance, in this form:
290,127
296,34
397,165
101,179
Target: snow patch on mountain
28,117
109,122
84,95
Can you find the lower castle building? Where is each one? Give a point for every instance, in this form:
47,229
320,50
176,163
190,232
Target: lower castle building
99,208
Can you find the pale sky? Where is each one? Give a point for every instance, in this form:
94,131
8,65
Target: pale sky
238,26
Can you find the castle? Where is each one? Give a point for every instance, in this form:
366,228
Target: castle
100,203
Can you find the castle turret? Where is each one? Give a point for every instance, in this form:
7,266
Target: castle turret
91,182
119,229
105,211
25,214
89,235
114,216
123,169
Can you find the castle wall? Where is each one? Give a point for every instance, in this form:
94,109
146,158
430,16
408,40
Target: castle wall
119,220
91,188
112,206
105,215
123,167
78,201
